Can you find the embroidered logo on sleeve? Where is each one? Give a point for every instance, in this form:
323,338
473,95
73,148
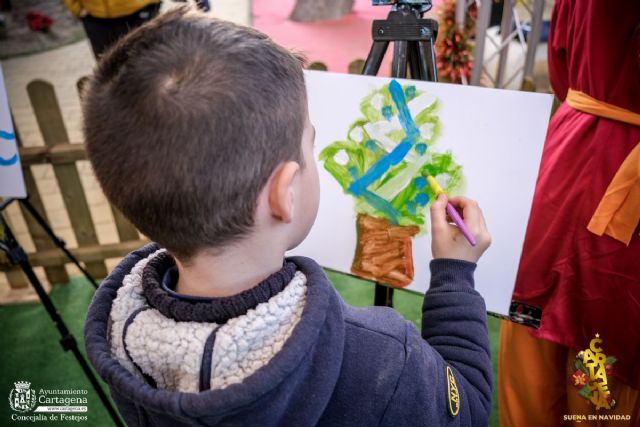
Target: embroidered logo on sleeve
452,393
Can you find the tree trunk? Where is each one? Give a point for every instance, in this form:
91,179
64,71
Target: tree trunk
383,251
320,10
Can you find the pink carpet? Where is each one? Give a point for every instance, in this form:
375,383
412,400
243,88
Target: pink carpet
335,43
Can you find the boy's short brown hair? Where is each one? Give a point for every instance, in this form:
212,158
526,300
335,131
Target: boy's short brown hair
185,119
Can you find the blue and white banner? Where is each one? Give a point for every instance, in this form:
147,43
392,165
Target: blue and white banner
11,180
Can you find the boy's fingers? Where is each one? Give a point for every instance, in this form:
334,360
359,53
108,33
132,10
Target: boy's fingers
438,212
471,212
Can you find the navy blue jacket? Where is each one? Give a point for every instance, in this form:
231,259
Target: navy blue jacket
342,366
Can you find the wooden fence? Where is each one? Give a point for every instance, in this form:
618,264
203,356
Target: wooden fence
62,155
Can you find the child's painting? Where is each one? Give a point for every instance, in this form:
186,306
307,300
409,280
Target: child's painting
383,163
377,139
11,180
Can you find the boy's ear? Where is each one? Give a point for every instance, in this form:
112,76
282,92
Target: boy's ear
281,191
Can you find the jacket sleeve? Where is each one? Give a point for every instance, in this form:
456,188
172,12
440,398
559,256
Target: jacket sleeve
447,376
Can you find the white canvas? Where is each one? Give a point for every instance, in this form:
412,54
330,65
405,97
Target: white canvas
11,180
496,136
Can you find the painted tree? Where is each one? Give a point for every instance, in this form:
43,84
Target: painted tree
320,10
383,164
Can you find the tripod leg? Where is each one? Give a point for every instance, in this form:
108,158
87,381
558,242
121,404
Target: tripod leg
383,295
433,65
399,65
423,61
67,340
58,242
374,59
414,62
428,65
17,255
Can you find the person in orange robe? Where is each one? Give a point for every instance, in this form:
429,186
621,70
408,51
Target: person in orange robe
581,270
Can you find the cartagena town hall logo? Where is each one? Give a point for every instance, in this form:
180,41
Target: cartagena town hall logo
47,404
22,397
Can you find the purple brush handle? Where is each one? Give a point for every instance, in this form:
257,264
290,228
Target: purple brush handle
455,216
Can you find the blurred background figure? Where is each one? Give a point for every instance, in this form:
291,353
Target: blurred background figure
105,21
202,4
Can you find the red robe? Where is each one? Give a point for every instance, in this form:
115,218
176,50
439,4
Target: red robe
584,283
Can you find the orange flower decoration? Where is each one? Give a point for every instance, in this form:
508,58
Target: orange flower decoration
580,378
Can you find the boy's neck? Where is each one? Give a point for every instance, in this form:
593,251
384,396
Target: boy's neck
229,273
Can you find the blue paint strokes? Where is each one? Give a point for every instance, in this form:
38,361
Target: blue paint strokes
378,169
7,135
353,171
381,205
422,199
399,152
371,145
421,148
10,161
387,112
381,167
420,182
397,94
411,207
410,92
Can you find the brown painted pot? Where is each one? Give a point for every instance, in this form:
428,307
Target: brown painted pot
383,251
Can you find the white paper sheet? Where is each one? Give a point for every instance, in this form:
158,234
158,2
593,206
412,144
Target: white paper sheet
495,135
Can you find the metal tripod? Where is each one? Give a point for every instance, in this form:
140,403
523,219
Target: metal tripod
413,55
18,256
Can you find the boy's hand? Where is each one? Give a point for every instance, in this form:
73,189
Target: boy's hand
446,239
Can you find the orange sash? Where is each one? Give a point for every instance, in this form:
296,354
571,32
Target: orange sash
618,213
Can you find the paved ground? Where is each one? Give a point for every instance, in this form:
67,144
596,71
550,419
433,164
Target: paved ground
20,39
63,67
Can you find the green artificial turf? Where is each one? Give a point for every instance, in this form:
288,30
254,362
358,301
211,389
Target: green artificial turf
31,351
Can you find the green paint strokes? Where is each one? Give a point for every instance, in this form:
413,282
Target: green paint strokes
375,135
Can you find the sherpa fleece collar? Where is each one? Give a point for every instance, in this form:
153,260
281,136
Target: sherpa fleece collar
194,356
317,341
201,309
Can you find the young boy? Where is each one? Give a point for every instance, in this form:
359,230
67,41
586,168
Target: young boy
198,132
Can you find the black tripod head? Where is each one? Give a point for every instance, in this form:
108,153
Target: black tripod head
421,6
413,40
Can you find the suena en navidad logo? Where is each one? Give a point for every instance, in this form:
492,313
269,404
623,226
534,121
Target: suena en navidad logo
592,366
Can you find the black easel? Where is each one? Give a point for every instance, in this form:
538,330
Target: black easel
18,256
413,50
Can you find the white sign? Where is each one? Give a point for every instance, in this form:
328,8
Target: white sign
376,141
11,180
